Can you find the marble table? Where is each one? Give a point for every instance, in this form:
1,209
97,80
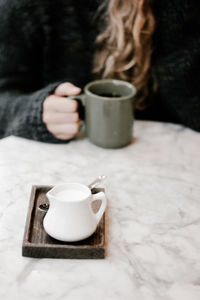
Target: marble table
152,224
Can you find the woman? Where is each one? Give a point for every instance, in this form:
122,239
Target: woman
47,49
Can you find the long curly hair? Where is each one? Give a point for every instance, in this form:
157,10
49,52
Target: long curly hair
124,46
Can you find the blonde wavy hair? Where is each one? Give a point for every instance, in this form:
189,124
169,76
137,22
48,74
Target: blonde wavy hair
124,47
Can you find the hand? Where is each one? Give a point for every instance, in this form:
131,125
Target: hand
60,113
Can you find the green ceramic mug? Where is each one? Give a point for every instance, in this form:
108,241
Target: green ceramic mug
109,112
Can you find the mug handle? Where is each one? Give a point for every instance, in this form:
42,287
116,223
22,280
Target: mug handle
100,196
81,104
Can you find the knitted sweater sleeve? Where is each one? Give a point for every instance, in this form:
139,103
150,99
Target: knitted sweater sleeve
21,91
21,114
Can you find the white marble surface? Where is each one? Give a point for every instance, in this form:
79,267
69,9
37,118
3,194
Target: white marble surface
153,217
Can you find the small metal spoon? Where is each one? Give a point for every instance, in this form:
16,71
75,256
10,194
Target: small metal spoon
96,182
43,207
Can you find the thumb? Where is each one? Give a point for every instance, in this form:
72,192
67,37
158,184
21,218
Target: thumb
67,89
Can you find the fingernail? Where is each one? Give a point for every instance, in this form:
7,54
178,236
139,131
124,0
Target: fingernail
76,89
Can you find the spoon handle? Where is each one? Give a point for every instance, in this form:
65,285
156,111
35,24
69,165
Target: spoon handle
96,182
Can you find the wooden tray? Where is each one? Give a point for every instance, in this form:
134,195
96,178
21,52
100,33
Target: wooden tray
37,243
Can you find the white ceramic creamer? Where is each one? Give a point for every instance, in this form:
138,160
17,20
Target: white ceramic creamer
70,217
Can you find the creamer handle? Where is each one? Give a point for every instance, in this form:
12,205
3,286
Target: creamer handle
100,196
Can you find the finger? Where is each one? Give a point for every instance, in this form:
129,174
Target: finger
60,104
67,89
64,129
64,137
60,118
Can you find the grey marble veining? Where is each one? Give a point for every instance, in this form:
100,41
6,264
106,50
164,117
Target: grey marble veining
152,226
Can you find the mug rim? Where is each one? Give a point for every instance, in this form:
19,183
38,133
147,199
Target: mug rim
85,187
117,81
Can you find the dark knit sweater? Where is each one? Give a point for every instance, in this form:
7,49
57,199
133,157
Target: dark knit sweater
176,63
44,43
